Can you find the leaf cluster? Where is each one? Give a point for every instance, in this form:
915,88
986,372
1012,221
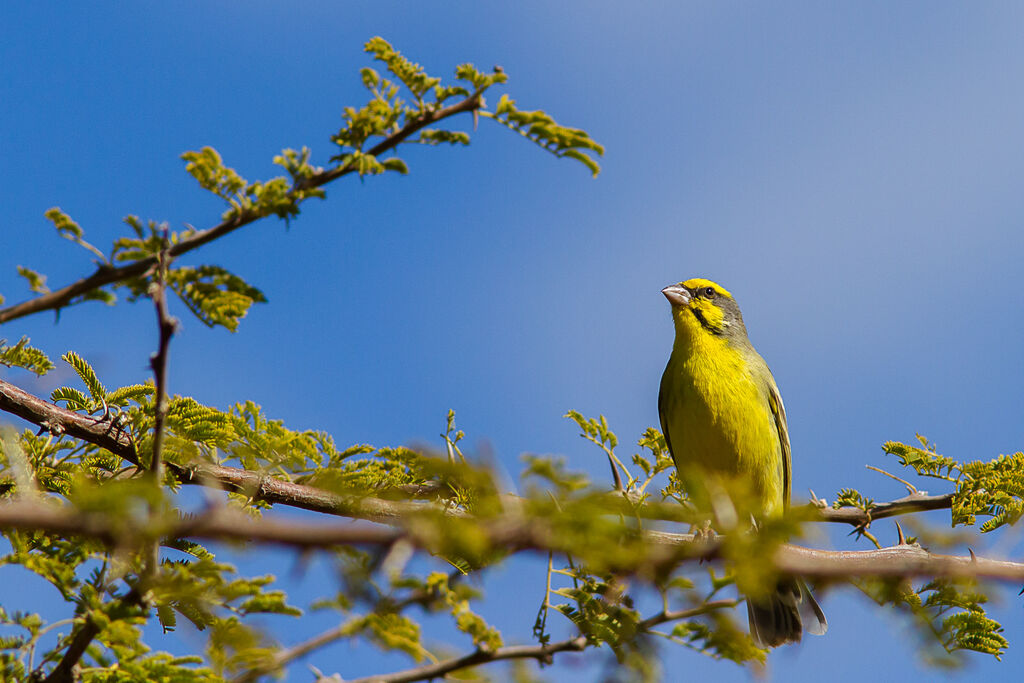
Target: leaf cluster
992,489
21,355
949,614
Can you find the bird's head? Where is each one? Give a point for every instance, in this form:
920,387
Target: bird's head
701,307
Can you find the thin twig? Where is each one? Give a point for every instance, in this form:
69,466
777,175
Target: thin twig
42,632
901,506
666,616
158,362
542,653
911,489
286,656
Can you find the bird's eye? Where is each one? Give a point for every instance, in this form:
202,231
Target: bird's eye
709,292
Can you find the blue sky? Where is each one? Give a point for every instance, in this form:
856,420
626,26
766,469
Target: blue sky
852,174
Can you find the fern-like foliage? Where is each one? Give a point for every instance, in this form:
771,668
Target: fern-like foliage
88,376
993,489
398,112
924,459
214,295
387,113
36,281
719,637
950,615
70,230
457,599
21,355
277,196
539,127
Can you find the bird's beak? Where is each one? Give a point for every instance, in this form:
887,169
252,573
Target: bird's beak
677,295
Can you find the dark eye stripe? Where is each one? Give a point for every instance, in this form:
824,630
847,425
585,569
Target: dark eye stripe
704,322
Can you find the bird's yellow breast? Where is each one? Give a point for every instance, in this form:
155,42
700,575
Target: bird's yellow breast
719,422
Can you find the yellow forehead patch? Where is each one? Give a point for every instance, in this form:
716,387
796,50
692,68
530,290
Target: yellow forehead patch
700,283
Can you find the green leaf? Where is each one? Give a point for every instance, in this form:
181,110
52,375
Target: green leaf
993,489
853,498
539,127
925,461
132,393
70,230
412,75
166,616
390,631
481,81
87,374
147,243
21,355
207,167
36,281
395,164
432,136
73,398
189,418
214,295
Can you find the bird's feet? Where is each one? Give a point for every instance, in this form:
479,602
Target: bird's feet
703,533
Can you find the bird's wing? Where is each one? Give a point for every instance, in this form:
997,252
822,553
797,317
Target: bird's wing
663,417
779,412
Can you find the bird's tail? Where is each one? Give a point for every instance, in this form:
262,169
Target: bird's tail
782,616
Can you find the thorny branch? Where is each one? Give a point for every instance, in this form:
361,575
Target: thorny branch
256,485
511,532
278,491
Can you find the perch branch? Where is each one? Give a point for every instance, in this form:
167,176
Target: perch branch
511,532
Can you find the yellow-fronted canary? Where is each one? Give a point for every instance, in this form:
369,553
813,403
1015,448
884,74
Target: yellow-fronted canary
725,426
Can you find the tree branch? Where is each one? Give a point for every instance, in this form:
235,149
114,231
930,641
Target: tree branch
106,274
284,657
64,672
915,502
56,420
158,362
511,532
665,616
542,653
222,524
256,485
277,491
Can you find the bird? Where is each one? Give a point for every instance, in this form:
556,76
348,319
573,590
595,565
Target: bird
725,427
